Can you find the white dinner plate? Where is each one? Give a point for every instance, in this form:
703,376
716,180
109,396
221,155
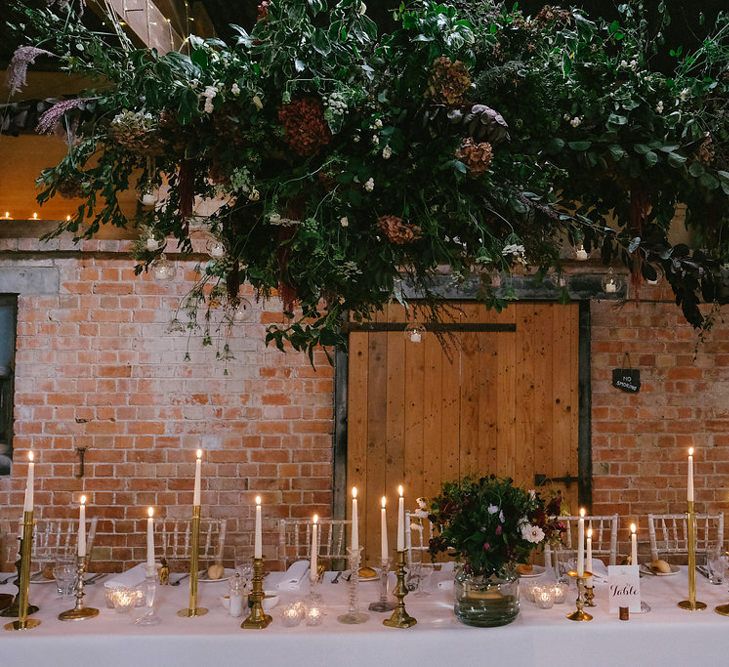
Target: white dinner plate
537,570
202,576
646,569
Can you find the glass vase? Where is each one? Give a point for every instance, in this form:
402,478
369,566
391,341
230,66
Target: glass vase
487,601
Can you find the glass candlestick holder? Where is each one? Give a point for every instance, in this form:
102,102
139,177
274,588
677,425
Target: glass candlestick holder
354,615
383,604
149,590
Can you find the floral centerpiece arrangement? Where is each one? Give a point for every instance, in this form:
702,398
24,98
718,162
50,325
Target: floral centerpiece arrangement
490,526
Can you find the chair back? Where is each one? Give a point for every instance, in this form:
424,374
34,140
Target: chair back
295,540
175,536
418,531
604,535
668,533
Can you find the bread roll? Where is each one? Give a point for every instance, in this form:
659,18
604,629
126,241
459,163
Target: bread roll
524,568
367,573
216,571
660,566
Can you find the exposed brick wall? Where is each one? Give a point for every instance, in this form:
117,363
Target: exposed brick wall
95,367
640,441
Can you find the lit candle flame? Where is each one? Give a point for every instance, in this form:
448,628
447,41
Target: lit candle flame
384,502
401,491
691,451
150,512
83,500
633,528
35,216
316,518
199,453
258,500
582,512
31,456
354,492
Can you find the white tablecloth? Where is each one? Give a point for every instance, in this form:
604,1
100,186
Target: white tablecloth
664,637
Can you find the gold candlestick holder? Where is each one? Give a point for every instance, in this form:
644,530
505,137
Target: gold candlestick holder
257,619
79,611
692,604
192,609
23,607
400,617
579,614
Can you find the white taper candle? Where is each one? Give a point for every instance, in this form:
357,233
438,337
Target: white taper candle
581,543
383,530
633,544
314,557
198,466
355,522
401,519
258,539
28,502
81,546
150,541
690,484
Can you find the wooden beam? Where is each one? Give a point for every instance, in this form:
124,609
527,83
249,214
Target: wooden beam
145,19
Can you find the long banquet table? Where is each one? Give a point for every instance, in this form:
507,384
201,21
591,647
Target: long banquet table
663,637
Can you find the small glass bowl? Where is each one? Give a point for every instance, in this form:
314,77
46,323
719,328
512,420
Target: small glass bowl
543,597
124,599
292,614
559,592
314,615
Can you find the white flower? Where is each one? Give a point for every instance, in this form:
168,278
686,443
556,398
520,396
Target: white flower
235,89
375,140
684,94
567,117
208,106
356,138
378,123
533,534
274,218
501,516
362,8
254,195
492,509
344,221
513,249
634,64
369,185
387,153
623,63
659,107
257,102
210,92
576,121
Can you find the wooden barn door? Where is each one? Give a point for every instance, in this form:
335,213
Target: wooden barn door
502,399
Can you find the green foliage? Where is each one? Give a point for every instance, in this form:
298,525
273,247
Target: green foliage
313,127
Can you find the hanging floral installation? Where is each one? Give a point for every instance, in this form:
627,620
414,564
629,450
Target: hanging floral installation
343,162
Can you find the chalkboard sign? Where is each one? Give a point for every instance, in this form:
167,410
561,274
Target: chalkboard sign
627,379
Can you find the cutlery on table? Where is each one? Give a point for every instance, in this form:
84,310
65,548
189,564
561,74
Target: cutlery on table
177,582
336,577
94,578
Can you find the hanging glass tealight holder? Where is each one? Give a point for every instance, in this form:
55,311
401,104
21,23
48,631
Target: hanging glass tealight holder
611,284
162,269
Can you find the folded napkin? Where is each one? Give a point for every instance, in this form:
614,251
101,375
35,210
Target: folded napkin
293,577
132,577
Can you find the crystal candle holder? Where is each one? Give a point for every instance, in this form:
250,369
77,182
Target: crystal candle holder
543,597
292,614
559,592
123,599
314,616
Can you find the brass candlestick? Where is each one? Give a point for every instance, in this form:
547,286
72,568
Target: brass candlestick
257,619
192,609
79,612
23,608
400,617
692,604
580,614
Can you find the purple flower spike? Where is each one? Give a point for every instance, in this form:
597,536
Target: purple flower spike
49,119
18,68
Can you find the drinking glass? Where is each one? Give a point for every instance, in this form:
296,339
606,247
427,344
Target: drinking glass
64,572
149,590
716,563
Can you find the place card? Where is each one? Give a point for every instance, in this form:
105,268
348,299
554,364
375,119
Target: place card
624,588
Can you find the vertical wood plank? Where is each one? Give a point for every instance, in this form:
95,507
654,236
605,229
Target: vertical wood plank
371,484
414,388
469,386
432,415
357,410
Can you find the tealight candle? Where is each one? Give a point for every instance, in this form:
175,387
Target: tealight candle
559,593
314,616
581,254
611,287
291,615
543,597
